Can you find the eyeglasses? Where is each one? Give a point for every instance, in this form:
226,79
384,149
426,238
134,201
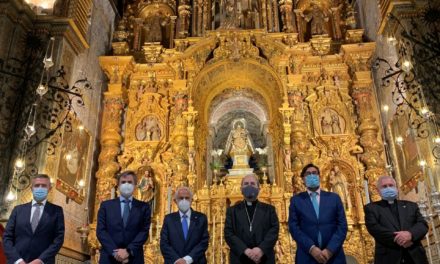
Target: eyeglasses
307,173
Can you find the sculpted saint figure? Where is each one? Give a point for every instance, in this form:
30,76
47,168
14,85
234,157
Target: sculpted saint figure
239,141
339,185
318,20
146,184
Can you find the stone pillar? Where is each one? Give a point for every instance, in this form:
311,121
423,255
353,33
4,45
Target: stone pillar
358,58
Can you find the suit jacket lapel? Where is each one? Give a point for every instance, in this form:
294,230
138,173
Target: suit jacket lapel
193,222
309,205
242,214
178,225
27,217
385,210
117,209
133,211
258,216
44,217
322,203
401,209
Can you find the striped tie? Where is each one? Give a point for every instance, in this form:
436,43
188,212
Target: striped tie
36,217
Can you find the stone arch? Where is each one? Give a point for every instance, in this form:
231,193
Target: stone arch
215,78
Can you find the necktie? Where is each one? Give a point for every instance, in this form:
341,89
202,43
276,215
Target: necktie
36,217
316,207
185,226
126,211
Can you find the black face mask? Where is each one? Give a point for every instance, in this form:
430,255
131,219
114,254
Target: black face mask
250,192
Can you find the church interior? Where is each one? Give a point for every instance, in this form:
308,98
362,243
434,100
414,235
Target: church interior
202,92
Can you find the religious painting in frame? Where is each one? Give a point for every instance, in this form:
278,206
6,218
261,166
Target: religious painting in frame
406,153
72,167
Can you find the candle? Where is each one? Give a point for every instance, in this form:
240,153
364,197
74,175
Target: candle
213,239
169,200
367,193
113,193
431,179
151,233
221,237
157,227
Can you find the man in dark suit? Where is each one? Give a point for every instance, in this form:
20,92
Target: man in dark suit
317,222
123,225
35,231
184,236
397,227
251,227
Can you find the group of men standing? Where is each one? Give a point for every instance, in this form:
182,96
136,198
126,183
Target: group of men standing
35,231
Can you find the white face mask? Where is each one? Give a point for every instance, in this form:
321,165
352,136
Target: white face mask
184,205
126,189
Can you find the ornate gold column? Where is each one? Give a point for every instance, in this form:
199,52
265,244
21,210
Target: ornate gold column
190,116
116,69
172,31
287,113
184,14
358,57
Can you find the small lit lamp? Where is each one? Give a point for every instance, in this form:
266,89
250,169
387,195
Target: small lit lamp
399,140
11,196
84,230
19,165
406,65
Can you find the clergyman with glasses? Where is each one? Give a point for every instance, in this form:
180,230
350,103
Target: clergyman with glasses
317,222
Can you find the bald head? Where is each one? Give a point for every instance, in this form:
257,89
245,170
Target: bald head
250,179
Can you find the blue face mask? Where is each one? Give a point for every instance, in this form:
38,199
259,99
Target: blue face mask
39,193
388,193
312,181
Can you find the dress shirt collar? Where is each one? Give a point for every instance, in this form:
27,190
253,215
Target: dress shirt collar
317,191
122,198
188,213
42,202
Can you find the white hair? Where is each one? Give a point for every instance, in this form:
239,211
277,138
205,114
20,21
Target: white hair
176,194
383,177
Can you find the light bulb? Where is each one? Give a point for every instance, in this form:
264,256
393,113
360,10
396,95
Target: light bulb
437,139
392,40
68,156
81,127
425,112
42,89
48,62
385,108
422,163
406,65
11,196
399,140
30,130
19,165
81,183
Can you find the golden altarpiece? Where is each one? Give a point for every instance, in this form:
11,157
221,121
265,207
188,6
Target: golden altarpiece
292,76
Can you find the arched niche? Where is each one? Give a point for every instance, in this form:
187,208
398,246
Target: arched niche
255,90
155,24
